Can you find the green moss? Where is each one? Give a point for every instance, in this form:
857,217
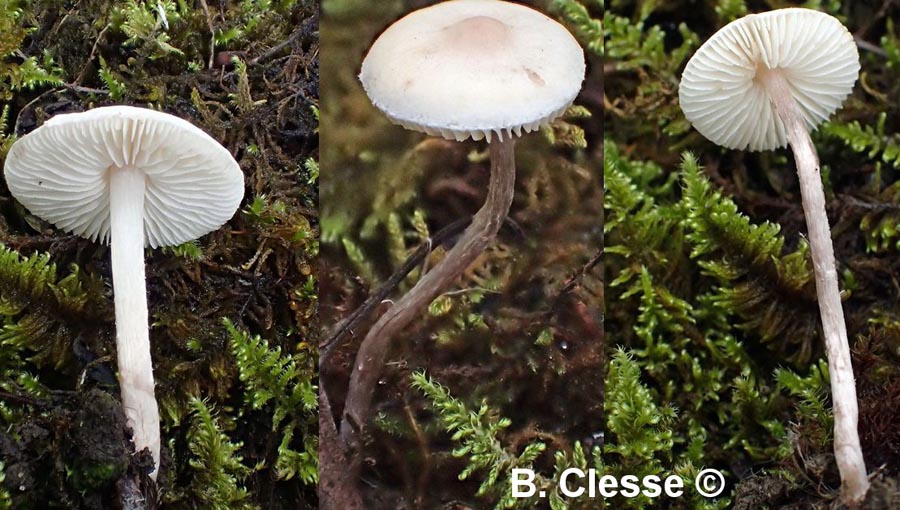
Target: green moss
217,466
41,311
92,476
285,385
5,500
711,286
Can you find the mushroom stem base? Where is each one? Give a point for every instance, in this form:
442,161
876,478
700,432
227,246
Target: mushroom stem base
374,348
126,210
847,450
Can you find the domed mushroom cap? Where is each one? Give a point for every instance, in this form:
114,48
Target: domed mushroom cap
470,68
61,171
722,96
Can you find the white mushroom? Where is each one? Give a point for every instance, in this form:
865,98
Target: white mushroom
130,177
462,69
764,81
473,69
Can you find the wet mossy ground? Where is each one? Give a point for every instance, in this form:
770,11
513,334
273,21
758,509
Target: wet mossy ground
247,73
702,286
521,330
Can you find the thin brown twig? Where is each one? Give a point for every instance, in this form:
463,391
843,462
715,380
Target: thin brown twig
575,280
66,86
84,90
425,452
91,56
28,107
879,15
212,33
280,46
22,399
867,46
363,311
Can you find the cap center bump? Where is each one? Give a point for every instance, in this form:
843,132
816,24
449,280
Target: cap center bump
477,33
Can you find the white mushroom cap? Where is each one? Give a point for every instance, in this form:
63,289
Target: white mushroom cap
470,68
722,97
61,170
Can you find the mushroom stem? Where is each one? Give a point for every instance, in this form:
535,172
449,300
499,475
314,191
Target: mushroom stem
847,451
126,212
374,348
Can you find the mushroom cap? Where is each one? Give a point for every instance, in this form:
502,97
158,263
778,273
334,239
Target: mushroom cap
60,172
470,68
722,98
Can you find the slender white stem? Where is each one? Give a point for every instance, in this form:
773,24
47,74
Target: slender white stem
126,211
847,451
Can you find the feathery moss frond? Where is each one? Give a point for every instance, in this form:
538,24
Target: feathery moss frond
6,140
812,396
146,24
868,140
38,311
266,374
476,432
217,465
285,384
881,225
5,500
715,224
637,228
642,436
587,28
31,72
763,286
114,85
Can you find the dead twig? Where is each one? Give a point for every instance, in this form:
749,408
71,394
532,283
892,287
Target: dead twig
21,399
85,90
413,261
91,56
304,29
873,20
212,33
575,280
425,452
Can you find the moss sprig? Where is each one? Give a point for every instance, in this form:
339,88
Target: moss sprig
40,310
5,499
751,266
588,28
283,384
476,433
218,468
